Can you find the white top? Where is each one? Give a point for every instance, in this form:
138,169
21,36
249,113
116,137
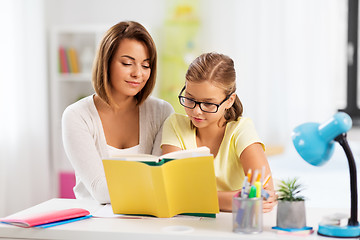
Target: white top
85,144
113,151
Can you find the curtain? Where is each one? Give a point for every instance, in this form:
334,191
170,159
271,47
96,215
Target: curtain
24,140
290,58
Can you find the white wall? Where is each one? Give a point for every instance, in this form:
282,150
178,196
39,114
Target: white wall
24,148
106,12
290,58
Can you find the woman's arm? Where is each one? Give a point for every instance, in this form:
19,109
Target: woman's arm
82,152
162,111
253,157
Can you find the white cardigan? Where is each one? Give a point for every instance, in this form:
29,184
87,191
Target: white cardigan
85,144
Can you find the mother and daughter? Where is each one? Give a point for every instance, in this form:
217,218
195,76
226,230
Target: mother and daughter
121,117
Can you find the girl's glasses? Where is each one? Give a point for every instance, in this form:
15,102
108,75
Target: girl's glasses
204,106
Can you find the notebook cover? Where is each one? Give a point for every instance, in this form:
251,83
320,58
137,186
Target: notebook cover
46,217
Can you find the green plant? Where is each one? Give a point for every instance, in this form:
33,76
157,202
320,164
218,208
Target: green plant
289,190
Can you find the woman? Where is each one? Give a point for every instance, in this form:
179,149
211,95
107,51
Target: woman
120,117
214,120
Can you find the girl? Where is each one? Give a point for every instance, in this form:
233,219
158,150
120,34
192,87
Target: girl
120,117
214,120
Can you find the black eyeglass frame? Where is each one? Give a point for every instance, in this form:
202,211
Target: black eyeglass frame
199,103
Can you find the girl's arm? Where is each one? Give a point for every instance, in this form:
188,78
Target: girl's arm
253,157
166,148
225,200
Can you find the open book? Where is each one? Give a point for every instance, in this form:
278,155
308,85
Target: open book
201,151
181,182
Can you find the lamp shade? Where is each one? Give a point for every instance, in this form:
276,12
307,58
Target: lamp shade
315,142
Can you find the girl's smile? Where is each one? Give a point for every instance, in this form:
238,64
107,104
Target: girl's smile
199,120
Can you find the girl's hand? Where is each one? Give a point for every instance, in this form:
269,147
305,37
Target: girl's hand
225,200
271,202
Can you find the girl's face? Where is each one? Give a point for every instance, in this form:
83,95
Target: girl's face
129,68
209,93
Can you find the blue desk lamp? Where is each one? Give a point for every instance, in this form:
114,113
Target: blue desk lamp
315,144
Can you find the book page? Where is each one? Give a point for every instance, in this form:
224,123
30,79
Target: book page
136,157
196,152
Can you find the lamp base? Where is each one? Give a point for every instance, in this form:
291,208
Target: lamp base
337,231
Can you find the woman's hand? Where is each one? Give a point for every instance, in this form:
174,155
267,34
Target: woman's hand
271,202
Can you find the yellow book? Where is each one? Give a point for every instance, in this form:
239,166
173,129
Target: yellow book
73,59
165,187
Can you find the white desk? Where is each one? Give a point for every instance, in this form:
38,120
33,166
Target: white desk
154,228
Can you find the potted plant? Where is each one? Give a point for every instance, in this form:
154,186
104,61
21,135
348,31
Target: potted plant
291,205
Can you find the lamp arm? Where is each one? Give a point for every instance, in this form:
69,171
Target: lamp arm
341,139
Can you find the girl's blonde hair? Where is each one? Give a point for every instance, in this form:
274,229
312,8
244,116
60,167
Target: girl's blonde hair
219,69
106,51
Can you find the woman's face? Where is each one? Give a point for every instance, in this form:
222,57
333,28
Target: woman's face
209,93
129,68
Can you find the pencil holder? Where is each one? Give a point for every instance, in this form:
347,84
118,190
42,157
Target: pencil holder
247,215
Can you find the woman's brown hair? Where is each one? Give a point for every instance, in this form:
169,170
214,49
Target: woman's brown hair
219,69
106,51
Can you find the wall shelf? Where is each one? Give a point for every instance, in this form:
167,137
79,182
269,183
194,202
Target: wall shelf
68,87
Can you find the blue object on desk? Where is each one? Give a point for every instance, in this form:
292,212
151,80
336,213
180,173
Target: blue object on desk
292,229
315,144
337,231
53,224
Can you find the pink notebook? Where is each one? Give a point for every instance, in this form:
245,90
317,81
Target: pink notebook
46,217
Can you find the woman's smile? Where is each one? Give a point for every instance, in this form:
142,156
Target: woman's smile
133,83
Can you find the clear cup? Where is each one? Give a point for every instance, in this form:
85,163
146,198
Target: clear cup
247,215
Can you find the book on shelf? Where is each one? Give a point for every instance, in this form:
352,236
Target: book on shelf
181,182
68,60
64,68
73,60
49,218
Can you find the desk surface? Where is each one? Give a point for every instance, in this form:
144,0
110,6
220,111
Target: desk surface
149,228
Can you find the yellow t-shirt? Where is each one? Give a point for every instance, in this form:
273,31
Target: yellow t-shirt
238,135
